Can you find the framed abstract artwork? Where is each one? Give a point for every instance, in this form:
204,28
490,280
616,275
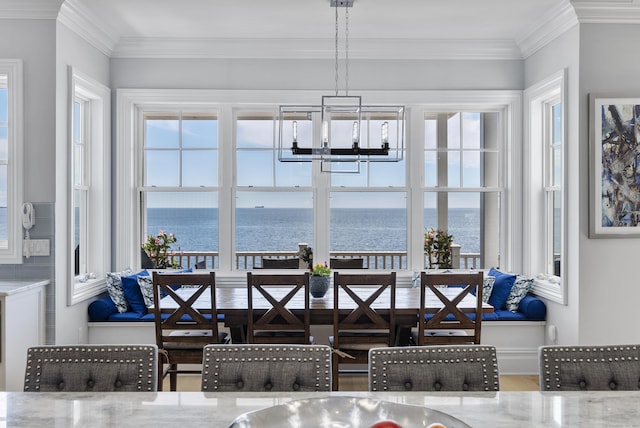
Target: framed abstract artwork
615,167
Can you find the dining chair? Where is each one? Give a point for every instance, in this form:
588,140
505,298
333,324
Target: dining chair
91,368
270,320
434,368
185,321
589,368
271,368
347,263
363,317
289,263
449,324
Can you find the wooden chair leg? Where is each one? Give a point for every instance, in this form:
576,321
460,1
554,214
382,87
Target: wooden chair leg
160,372
335,370
173,377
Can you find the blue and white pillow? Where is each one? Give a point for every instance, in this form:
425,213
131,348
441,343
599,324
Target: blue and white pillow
146,288
487,287
115,290
520,288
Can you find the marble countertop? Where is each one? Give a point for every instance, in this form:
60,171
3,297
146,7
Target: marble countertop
196,409
14,286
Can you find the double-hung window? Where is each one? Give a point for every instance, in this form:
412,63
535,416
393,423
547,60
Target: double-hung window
10,161
179,191
544,205
462,189
90,184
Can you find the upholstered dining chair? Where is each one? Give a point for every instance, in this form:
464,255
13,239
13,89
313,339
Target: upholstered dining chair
589,368
450,324
265,367
186,319
363,317
91,368
273,321
434,368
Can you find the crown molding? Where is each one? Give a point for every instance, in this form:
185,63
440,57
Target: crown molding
29,9
556,22
607,11
81,21
314,48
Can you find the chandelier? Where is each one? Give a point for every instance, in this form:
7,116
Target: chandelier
350,132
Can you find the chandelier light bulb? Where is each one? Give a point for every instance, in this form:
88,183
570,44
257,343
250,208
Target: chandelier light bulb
294,129
385,132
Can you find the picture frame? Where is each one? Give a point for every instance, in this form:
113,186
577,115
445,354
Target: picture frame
615,167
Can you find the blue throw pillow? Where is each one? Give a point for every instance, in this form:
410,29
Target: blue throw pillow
501,288
132,293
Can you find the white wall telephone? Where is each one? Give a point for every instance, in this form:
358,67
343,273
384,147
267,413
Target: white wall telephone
28,216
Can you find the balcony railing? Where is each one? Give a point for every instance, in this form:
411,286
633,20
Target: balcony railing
382,260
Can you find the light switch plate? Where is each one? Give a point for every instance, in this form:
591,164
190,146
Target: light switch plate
35,247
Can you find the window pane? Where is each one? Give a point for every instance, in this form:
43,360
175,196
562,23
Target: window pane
199,131
368,221
78,164
293,174
356,179
453,169
255,168
430,169
464,221
430,134
80,231
273,221
386,174
453,132
163,132
162,168
191,216
471,137
3,204
254,133
199,168
77,122
471,169
4,116
557,232
4,142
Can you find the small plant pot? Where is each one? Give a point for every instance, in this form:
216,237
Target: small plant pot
318,285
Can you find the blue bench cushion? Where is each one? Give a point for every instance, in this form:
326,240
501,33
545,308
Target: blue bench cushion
105,310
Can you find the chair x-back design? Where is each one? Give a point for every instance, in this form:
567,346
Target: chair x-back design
368,324
273,321
449,324
186,320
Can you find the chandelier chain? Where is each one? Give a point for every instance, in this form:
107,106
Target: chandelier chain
336,42
346,50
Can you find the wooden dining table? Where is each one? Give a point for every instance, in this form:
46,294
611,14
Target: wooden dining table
232,303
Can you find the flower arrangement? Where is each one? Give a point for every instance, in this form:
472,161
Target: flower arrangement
321,270
157,247
437,247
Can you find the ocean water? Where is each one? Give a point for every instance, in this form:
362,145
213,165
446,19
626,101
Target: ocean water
281,229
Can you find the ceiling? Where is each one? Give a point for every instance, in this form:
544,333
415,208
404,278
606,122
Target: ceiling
295,28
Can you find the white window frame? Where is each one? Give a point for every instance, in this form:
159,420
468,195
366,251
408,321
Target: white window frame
538,100
97,168
11,251
131,102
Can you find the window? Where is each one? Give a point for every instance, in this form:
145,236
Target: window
461,182
453,175
89,194
10,160
179,191
544,227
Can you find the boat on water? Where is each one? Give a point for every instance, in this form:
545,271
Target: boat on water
259,206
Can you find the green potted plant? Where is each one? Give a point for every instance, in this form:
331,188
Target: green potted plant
319,280
157,248
437,248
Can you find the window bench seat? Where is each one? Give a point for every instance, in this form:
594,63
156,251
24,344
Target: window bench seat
516,335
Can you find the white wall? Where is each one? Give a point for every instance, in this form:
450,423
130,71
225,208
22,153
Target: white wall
563,54
609,287
314,74
70,321
33,41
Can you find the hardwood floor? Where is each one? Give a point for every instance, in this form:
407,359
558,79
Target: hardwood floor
358,382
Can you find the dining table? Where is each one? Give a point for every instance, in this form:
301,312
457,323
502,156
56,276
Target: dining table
232,303
508,409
